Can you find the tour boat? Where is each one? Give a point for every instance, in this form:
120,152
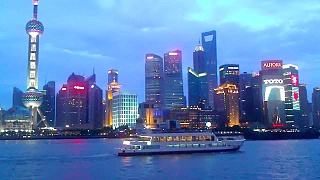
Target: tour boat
180,143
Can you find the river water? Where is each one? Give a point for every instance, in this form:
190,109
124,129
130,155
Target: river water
96,159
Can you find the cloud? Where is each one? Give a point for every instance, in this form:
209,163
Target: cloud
49,47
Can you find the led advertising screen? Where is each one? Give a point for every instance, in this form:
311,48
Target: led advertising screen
295,98
273,89
272,64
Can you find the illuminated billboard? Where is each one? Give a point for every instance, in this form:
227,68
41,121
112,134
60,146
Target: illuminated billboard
295,92
272,64
294,80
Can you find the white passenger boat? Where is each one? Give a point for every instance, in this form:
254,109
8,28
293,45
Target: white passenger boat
180,143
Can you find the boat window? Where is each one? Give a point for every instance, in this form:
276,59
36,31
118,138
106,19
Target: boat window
189,145
202,145
183,138
169,146
156,139
213,144
230,138
169,138
183,145
176,146
189,138
195,145
208,138
201,138
220,139
195,138
144,139
151,147
212,138
162,139
176,138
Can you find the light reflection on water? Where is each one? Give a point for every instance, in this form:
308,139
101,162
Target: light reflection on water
96,159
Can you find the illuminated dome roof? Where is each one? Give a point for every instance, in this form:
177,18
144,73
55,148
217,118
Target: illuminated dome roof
34,26
199,48
17,112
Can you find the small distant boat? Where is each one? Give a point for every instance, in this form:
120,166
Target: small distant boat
180,143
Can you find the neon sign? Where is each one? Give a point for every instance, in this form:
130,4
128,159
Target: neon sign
173,53
273,81
294,80
78,87
271,64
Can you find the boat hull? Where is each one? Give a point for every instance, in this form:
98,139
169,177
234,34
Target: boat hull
146,153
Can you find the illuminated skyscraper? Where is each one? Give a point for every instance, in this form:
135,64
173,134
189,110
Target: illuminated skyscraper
112,76
154,85
197,88
199,59
273,91
124,109
291,87
209,43
32,99
174,96
229,73
227,102
316,106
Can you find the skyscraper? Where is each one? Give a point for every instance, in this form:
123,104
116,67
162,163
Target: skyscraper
48,106
79,103
154,85
316,106
174,96
291,87
112,75
273,91
227,102
197,88
304,106
229,73
199,59
246,97
124,109
32,99
17,97
209,43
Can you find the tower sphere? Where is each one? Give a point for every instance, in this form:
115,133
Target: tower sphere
32,98
34,27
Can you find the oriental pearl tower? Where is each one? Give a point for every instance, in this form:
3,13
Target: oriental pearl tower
33,98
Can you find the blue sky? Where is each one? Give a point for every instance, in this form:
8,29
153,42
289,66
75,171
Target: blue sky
116,34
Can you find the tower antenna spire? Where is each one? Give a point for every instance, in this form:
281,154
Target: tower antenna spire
35,9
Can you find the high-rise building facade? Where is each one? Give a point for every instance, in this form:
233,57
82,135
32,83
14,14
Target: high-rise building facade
291,87
209,43
174,96
246,97
197,88
124,109
304,106
79,103
95,108
199,59
112,76
17,97
154,81
229,73
227,102
273,91
316,106
48,106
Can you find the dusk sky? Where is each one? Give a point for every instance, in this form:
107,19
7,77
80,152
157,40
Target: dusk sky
81,35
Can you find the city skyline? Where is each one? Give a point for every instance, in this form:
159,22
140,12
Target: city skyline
247,33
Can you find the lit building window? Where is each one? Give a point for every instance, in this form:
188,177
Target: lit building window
33,56
32,74
32,65
33,39
33,47
32,83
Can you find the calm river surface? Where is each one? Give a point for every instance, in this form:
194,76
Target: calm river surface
96,159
